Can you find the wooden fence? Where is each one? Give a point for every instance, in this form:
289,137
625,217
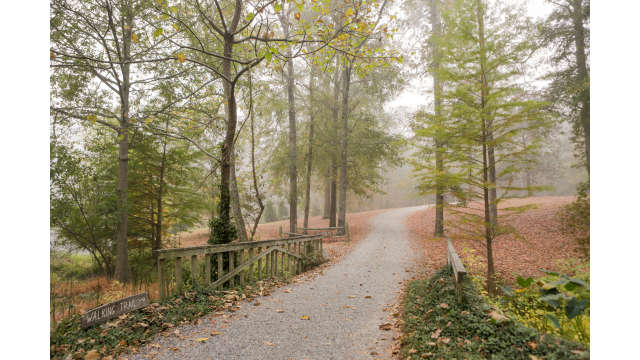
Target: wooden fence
330,234
453,260
241,262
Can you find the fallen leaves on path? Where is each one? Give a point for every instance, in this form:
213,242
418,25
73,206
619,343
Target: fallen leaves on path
305,317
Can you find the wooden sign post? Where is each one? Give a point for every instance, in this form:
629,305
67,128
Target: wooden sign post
108,311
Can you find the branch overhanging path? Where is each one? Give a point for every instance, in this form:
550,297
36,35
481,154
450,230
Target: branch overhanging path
344,305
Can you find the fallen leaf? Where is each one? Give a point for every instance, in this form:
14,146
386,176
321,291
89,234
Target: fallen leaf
532,345
385,326
203,339
436,334
268,343
444,305
279,311
215,333
305,317
412,351
368,297
92,355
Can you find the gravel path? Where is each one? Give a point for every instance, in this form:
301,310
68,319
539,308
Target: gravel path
344,305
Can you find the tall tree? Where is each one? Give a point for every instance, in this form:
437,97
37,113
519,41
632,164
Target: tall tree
98,53
566,31
436,33
307,194
485,110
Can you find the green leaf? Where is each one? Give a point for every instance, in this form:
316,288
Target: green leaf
554,320
268,56
250,16
277,7
575,307
553,300
158,32
524,283
579,282
92,118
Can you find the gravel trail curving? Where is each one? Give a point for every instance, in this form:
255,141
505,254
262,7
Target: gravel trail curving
344,306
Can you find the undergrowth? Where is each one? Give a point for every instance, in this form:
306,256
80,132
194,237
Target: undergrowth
139,327
435,326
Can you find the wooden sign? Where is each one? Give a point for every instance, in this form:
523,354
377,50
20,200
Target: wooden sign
108,311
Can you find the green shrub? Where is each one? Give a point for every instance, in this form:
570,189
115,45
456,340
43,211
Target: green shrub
556,304
436,326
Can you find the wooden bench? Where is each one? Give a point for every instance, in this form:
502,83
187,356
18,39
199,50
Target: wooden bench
453,261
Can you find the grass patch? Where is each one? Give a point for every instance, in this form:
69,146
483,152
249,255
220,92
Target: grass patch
435,326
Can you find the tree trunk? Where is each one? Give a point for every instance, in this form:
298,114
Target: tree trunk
122,271
343,147
307,195
235,202
334,161
253,165
327,195
581,62
437,94
486,162
157,244
224,207
293,181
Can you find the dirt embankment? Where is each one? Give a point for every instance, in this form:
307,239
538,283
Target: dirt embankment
541,244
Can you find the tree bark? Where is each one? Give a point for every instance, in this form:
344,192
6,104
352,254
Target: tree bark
344,135
327,195
307,202
437,94
581,62
488,185
293,181
334,160
235,203
122,271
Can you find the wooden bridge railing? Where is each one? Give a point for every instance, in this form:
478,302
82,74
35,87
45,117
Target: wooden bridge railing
453,260
330,234
244,261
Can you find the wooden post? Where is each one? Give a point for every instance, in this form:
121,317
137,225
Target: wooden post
161,285
321,248
179,275
275,263
194,270
250,271
259,265
267,266
290,263
280,232
346,225
282,269
232,259
207,269
240,262
220,267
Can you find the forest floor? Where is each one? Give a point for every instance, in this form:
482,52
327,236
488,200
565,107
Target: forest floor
342,311
540,243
